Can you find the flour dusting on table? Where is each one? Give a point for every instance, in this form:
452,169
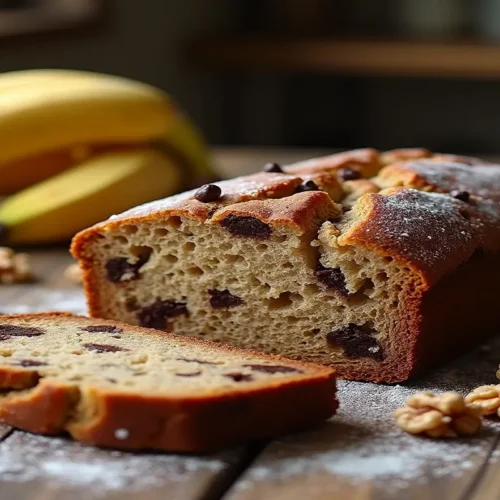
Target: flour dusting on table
69,299
362,443
26,457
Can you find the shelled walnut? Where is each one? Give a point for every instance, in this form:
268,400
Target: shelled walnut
486,398
14,267
443,415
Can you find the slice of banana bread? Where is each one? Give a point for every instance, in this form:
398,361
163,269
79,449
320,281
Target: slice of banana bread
379,264
115,385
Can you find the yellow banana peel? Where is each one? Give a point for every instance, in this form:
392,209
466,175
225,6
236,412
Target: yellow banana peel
55,209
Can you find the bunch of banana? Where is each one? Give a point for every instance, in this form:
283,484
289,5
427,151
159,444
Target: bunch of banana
77,147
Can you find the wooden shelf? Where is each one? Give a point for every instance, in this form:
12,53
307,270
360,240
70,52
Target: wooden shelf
369,57
48,15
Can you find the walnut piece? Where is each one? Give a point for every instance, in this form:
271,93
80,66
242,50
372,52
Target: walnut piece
443,415
486,398
73,273
14,267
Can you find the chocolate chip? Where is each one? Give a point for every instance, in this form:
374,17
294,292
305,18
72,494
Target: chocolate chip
119,269
244,225
193,374
7,331
333,278
103,348
112,380
273,369
101,329
208,193
239,377
159,312
349,174
27,363
273,168
199,361
460,195
356,341
220,299
3,233
307,186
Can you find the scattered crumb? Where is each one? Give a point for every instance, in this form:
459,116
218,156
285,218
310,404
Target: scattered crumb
122,434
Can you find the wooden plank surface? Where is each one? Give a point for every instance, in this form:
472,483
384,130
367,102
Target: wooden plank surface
488,483
350,56
38,467
361,454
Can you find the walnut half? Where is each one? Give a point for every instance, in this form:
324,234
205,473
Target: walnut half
14,267
443,415
486,398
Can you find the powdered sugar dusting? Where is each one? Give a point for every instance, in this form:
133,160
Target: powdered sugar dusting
68,465
432,231
479,180
362,442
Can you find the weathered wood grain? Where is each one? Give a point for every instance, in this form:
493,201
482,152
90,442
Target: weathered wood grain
38,467
488,484
360,454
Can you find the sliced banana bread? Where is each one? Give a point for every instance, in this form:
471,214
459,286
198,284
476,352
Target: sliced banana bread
115,385
380,264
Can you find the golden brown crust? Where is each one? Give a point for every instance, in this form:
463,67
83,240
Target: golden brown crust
403,154
428,232
365,161
302,211
98,415
187,425
43,410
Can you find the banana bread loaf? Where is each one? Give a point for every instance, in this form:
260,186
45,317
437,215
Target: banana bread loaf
120,386
379,264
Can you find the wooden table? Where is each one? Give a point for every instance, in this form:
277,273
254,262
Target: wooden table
358,454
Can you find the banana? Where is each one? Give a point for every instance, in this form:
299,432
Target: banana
64,113
46,112
28,171
55,209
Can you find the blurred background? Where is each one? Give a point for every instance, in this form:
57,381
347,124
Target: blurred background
327,74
